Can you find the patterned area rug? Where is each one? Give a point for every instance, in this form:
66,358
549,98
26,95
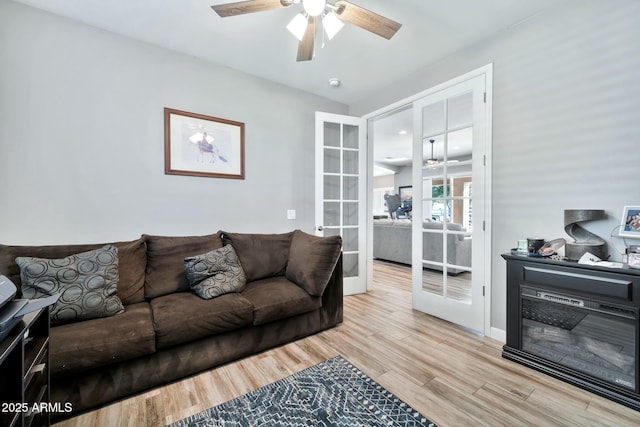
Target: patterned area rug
332,393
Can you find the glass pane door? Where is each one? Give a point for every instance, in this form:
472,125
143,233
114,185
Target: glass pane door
340,191
447,141
448,151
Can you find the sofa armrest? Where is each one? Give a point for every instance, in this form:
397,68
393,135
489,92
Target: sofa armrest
333,296
312,260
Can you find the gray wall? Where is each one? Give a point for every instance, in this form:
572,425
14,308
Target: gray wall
566,122
404,177
82,138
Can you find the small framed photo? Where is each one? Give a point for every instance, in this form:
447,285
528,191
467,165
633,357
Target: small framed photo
630,225
199,145
406,193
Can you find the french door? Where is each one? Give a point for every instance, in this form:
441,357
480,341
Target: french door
340,196
448,215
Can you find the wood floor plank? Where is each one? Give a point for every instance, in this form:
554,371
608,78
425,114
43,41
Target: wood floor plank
613,413
510,409
443,412
450,374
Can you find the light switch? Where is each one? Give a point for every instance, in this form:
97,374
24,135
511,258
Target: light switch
291,214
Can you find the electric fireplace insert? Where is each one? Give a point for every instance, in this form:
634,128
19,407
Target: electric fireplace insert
578,323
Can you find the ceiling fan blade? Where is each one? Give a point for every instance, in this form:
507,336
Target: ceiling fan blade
249,6
365,19
305,47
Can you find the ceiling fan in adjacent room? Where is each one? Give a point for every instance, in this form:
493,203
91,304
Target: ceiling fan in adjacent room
303,25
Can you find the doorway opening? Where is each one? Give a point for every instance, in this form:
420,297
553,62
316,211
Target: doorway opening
431,153
393,199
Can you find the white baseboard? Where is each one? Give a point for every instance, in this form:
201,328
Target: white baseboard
498,334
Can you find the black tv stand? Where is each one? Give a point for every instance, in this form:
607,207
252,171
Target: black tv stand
24,372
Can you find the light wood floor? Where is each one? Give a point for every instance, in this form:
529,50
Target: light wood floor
451,375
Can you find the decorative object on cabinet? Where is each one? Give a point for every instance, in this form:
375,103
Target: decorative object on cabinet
633,256
585,241
12,310
630,224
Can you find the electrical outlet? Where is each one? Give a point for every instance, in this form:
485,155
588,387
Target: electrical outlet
291,214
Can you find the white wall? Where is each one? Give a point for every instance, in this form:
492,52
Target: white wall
566,133
404,177
82,138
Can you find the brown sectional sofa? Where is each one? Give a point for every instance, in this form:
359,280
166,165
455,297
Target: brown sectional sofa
167,332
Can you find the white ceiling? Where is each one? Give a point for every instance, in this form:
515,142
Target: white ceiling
259,43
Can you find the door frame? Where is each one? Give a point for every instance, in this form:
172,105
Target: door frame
487,72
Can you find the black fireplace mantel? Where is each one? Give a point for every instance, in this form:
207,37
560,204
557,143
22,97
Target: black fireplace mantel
548,261
613,288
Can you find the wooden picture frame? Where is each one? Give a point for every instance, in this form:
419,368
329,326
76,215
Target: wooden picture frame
199,145
630,222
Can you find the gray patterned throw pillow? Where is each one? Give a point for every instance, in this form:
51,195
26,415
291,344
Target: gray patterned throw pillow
215,273
87,282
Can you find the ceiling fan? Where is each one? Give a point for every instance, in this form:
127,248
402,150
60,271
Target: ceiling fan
303,25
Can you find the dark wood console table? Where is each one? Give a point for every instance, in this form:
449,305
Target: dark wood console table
576,322
24,372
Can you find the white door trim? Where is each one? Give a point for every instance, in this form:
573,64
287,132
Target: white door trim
487,71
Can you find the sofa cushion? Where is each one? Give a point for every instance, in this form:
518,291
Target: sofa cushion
87,283
312,260
390,243
277,298
183,316
165,261
453,226
99,342
215,273
132,261
261,255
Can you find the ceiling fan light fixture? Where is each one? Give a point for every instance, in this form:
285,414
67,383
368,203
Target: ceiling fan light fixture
314,7
432,162
298,26
333,14
331,24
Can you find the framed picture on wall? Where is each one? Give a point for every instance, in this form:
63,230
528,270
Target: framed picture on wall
406,193
199,145
630,224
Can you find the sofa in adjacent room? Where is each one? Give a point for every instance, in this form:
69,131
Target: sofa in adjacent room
157,326
392,242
